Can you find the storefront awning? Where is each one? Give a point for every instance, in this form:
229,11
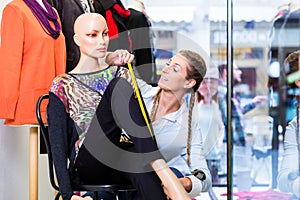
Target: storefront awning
248,13
171,14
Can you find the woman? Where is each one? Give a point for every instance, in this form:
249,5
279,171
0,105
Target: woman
288,176
175,122
211,122
89,110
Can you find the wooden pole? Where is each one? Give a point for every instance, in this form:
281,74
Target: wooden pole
33,163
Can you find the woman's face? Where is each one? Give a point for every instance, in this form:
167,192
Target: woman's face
93,38
174,74
208,87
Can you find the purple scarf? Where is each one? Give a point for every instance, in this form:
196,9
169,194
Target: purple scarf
44,17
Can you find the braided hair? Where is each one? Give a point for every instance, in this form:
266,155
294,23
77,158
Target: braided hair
196,70
155,105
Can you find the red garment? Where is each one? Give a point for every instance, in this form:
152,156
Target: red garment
112,26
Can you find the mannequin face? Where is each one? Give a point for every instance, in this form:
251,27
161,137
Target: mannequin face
91,35
174,75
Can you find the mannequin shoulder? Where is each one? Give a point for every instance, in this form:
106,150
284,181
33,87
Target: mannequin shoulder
63,79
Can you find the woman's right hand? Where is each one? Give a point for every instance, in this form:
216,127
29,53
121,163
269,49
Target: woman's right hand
119,57
186,183
171,185
76,197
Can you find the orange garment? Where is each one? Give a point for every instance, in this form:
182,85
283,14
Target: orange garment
29,60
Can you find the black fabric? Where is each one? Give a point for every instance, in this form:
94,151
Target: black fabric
68,11
106,4
111,116
101,140
137,27
122,41
62,136
142,45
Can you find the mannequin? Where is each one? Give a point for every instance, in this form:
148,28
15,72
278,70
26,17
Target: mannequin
22,57
120,21
82,105
32,53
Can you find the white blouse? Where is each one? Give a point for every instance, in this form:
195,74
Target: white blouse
171,136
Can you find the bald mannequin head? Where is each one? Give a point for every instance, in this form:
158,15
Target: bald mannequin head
91,34
87,19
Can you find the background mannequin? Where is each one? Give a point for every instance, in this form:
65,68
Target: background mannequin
27,67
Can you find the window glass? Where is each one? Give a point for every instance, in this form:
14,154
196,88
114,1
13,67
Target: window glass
264,33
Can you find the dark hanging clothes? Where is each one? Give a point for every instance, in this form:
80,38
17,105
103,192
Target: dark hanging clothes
134,35
121,39
68,11
142,45
133,32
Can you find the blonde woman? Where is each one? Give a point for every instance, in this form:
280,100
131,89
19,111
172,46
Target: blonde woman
175,122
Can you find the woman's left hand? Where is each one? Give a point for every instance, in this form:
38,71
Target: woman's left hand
119,57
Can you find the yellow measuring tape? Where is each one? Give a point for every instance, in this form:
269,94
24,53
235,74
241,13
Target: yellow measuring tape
137,92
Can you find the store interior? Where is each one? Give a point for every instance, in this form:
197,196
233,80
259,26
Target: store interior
262,36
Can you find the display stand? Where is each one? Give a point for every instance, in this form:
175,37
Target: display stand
33,163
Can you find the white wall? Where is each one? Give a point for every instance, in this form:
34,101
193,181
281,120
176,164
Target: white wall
14,161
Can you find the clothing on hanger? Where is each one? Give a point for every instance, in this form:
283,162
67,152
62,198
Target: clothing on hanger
27,67
85,6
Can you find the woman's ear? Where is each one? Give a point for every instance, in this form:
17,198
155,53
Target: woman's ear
76,40
190,83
